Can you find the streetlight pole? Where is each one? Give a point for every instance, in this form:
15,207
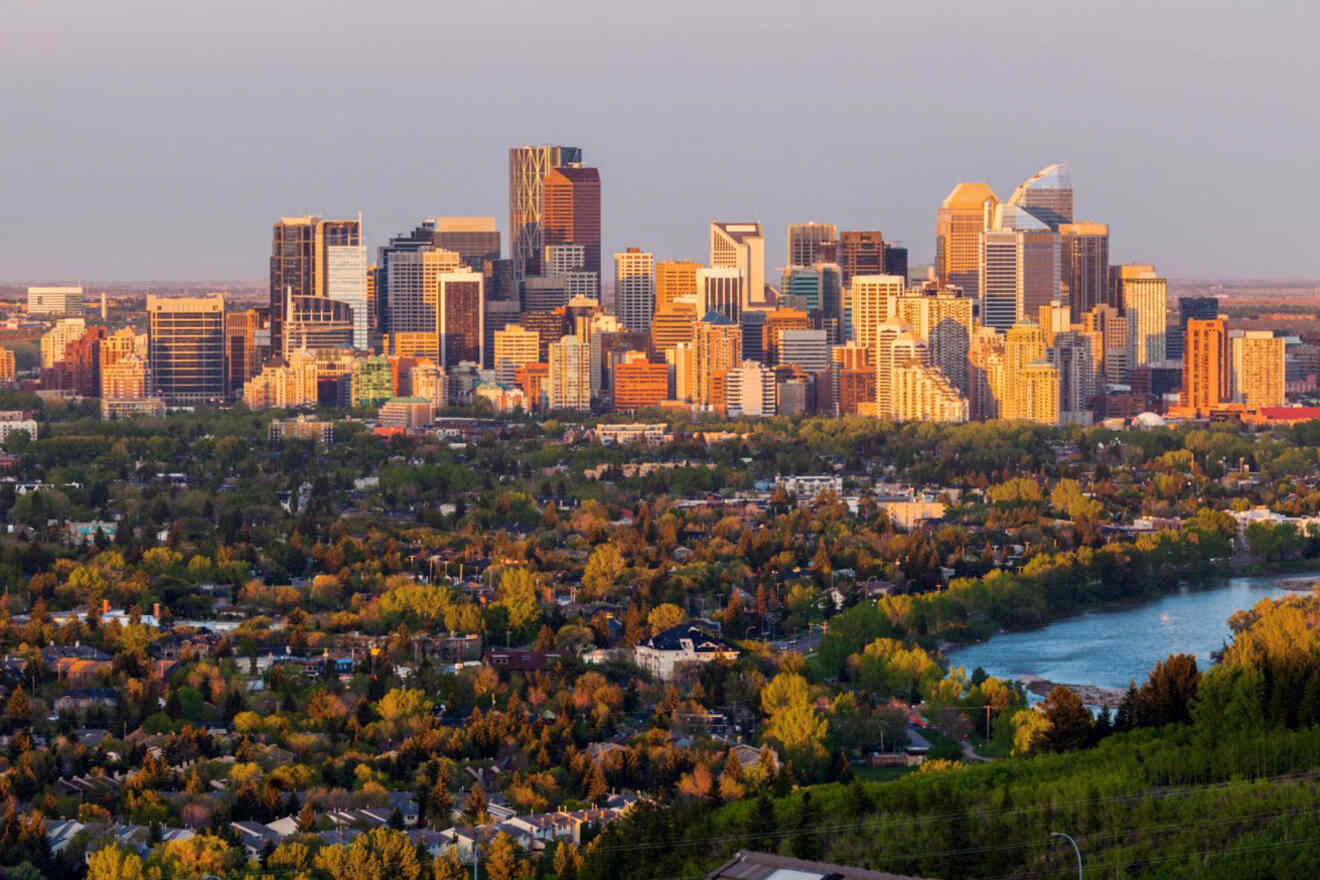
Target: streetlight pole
1076,849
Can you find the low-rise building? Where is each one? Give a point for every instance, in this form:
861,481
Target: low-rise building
664,652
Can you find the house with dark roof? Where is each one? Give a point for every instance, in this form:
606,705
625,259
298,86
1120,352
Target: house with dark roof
663,652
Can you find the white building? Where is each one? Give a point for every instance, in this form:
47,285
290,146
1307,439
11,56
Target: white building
346,281
740,246
54,300
664,652
570,374
634,288
749,390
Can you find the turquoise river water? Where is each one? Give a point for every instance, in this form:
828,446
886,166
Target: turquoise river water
1109,648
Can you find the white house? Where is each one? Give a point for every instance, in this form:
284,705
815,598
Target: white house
663,652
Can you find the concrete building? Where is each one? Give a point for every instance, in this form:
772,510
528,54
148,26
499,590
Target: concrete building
966,212
873,302
750,390
722,290
570,374
55,340
638,383
634,288
514,347
1258,369
45,301
186,349
811,243
570,211
740,246
674,279
1145,308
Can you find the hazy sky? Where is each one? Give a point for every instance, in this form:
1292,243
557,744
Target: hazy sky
158,139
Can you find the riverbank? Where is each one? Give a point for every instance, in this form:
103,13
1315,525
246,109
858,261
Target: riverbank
1090,694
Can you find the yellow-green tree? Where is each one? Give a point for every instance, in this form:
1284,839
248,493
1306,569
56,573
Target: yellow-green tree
114,863
665,616
604,568
380,853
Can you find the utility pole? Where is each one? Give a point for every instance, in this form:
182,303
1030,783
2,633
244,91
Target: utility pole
1076,849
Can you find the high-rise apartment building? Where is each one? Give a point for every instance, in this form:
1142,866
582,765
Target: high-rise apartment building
1083,267
528,167
186,348
808,349
570,211
570,374
1105,320
1206,365
1072,355
718,349
1027,375
1145,307
461,313
514,347
943,320
810,243
740,246
673,323
634,288
751,390
1258,369
674,278
862,252
890,338
8,369
54,300
776,322
963,216
1048,195
125,379
874,299
985,359
55,340
923,393
304,251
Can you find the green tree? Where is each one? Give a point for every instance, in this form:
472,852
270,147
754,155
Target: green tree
604,568
1070,722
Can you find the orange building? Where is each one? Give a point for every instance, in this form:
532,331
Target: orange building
1205,365
534,380
639,383
675,278
856,386
570,211
776,323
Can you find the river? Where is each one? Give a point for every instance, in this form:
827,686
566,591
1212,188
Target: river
1109,648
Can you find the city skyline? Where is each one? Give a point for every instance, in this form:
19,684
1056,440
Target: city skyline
671,157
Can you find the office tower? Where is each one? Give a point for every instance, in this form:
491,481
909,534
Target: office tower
943,320
1144,305
501,286
414,286
985,360
682,363
830,290
1048,195
750,391
125,379
1203,308
1105,320
1083,267
886,341
856,391
561,259
316,322
634,288
808,242
718,347
614,345
570,211
740,246
721,290
998,280
1037,257
674,278
1258,369
752,322
528,167
923,393
475,239
499,315
543,293
1072,356
57,339
8,370
548,326
808,349
673,323
302,252
79,369
963,216
776,322
896,260
638,383
861,252
873,303
1206,365
462,313
186,348
240,343
54,300
570,374
799,288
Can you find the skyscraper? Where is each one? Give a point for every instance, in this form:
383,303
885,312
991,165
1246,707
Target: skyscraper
570,211
514,347
1144,306
1038,260
186,348
475,239
321,258
570,374
861,252
461,314
998,279
1048,195
1071,355
1204,308
740,246
963,216
528,167
1083,266
944,322
805,241
634,288
722,290
1206,381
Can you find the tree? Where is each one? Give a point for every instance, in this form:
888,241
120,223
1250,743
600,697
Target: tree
567,860
517,595
474,808
1070,722
1029,731
114,863
604,568
448,867
19,707
1166,696
502,859
381,852
665,616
